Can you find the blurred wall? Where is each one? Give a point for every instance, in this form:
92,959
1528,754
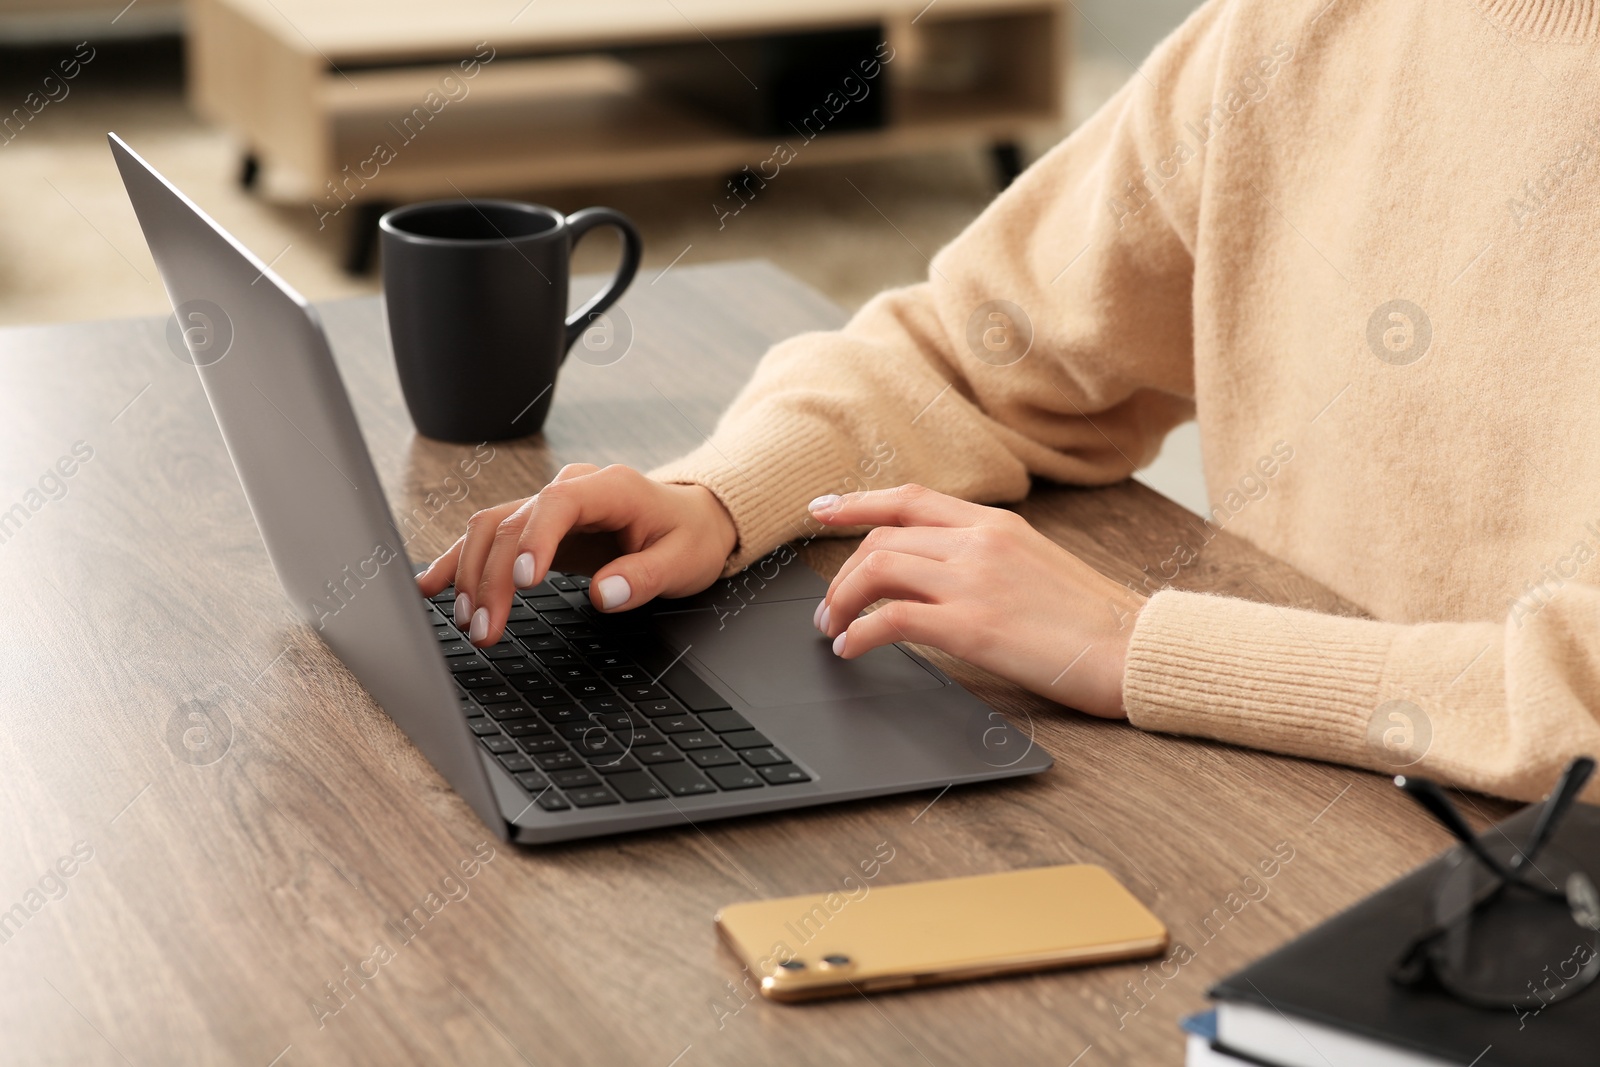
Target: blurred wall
1127,28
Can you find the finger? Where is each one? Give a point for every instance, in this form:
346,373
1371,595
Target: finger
573,470
931,541
665,568
612,498
442,571
883,576
903,620
474,549
904,505
491,596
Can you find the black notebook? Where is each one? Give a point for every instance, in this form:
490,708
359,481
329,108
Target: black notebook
1325,999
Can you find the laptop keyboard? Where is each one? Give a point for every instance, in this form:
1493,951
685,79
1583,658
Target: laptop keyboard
563,702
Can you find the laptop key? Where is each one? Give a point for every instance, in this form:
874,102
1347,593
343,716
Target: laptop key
640,735
763,757
612,764
533,781
477,680
682,780
521,613
446,633
562,582
510,667
658,708
564,617
585,690
574,778
531,683
516,761
535,745
484,728
606,704
556,761
595,646
545,698
783,774
621,676
591,797
726,721
525,728
697,739
556,714
640,693
605,661
497,695
735,777
746,739
714,757
457,647
509,711
527,628
558,657
677,724
597,745
581,727
635,786
652,754
467,663
498,744
550,800
504,650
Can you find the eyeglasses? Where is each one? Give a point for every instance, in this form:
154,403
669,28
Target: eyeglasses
1513,927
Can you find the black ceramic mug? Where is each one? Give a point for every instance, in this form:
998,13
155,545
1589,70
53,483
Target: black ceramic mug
476,292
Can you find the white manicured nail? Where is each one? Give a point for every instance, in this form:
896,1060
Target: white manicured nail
822,623
522,570
824,503
480,626
614,591
816,616
463,608
838,644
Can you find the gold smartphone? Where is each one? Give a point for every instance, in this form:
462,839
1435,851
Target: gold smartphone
924,933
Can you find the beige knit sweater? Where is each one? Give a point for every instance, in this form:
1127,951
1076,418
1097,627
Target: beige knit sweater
1361,240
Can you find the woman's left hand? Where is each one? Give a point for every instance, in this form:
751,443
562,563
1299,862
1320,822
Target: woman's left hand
983,585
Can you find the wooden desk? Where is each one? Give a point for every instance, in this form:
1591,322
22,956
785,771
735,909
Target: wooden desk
230,878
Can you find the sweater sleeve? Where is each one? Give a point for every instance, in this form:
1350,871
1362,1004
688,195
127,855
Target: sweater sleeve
1053,337
1496,707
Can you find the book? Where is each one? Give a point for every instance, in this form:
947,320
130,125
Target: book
1326,999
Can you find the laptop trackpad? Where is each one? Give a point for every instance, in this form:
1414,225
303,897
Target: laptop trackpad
771,656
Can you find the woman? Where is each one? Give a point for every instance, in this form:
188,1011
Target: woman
1357,238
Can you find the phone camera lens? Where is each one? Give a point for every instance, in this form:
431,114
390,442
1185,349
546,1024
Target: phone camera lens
836,960
793,965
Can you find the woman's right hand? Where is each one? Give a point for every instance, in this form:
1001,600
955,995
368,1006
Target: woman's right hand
674,541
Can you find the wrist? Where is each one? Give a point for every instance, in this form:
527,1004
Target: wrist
725,531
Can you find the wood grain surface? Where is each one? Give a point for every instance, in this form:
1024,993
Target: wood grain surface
217,849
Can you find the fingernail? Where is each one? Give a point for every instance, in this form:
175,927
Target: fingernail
838,644
480,626
522,570
816,616
824,503
614,591
822,623
463,608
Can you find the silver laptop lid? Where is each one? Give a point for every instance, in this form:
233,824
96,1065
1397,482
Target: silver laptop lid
294,441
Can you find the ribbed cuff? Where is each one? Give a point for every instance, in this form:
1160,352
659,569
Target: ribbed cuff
1567,21
765,486
1257,675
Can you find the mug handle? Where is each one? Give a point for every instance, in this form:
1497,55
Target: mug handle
580,223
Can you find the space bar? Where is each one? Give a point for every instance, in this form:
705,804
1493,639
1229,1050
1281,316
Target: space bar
691,692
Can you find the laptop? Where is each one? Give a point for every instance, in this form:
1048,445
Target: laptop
577,724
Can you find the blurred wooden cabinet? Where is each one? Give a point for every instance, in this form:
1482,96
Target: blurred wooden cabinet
362,103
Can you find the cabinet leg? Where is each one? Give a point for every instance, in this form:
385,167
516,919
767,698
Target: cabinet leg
1007,157
363,237
249,171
